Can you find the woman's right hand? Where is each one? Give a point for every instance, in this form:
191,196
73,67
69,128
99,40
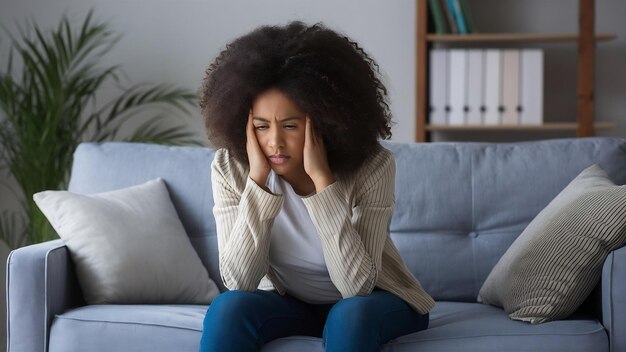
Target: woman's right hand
259,167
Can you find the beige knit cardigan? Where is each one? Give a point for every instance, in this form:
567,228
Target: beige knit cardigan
351,217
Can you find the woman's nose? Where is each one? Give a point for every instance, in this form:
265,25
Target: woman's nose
276,138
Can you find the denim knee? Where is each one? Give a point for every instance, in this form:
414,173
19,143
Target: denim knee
225,328
351,326
232,304
350,313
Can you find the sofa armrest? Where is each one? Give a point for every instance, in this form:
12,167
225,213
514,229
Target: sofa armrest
40,284
614,299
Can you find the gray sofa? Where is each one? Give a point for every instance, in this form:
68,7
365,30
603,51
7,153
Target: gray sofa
458,207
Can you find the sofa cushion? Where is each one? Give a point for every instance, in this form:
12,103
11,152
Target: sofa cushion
128,328
454,326
128,245
557,261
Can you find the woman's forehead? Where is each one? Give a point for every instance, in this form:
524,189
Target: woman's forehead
278,118
275,105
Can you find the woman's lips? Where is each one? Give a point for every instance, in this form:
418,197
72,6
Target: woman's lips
279,159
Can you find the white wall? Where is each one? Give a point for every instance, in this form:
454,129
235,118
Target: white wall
174,41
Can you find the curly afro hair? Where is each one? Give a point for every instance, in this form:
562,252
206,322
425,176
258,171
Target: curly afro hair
327,75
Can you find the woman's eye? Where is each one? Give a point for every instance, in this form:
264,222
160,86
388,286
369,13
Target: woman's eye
291,127
260,128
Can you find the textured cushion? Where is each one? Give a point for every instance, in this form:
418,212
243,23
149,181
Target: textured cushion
557,260
128,245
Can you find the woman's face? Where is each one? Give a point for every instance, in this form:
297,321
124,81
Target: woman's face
279,126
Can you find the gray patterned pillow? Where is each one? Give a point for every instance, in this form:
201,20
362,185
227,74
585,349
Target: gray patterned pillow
555,263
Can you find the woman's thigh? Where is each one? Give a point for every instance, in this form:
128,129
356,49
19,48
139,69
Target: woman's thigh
254,318
371,321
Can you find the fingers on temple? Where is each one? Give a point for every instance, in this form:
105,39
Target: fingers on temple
307,132
310,131
249,125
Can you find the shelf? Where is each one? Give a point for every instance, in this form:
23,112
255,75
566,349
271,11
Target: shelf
512,37
555,126
585,40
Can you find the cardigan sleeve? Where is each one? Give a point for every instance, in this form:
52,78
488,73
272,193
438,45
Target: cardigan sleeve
243,220
353,235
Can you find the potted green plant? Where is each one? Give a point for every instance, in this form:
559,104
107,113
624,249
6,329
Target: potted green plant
48,106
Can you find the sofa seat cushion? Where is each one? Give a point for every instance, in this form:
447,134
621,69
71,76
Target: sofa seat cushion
454,326
475,327
128,328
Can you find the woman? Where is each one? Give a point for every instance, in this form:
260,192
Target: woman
303,195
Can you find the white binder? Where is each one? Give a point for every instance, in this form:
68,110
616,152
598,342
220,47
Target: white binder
493,86
457,84
531,86
475,78
438,93
510,86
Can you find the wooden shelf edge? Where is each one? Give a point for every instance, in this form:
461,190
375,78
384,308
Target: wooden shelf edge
556,126
508,37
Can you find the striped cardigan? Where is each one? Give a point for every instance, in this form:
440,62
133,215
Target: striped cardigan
351,217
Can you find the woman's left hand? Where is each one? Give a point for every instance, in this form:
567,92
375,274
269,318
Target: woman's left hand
315,159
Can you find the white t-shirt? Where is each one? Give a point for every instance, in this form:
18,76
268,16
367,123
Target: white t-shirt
296,253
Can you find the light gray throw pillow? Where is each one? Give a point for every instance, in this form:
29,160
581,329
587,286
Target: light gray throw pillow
555,263
129,246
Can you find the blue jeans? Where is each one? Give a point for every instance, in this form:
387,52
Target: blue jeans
244,321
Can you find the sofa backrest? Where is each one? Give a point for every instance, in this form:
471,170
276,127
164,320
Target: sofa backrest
458,205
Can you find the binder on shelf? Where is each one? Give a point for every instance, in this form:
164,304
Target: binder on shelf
475,78
454,29
437,16
457,84
531,86
457,13
467,15
510,86
438,83
493,87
